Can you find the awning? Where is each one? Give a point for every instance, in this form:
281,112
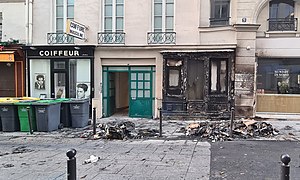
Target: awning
7,56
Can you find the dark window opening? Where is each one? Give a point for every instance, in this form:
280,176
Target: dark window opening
195,80
218,76
281,16
173,72
219,12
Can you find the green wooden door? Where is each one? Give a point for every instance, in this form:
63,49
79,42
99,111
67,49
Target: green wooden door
109,105
140,102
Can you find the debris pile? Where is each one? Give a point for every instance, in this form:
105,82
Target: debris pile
220,130
119,130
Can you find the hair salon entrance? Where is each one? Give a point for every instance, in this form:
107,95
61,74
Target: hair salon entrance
130,88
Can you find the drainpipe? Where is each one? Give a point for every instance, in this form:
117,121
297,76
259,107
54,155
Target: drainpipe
27,20
30,21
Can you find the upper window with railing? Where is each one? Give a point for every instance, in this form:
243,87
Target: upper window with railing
64,11
163,23
219,14
113,23
281,16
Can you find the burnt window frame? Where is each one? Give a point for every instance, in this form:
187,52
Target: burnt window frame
218,86
173,90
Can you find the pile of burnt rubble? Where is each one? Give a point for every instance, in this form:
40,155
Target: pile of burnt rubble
206,130
119,130
221,130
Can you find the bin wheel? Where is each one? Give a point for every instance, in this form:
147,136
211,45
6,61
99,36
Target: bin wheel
60,126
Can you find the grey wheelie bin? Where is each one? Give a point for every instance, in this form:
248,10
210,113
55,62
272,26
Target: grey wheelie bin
47,114
79,110
65,118
9,116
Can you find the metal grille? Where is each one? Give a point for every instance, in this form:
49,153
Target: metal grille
59,38
111,38
161,37
283,24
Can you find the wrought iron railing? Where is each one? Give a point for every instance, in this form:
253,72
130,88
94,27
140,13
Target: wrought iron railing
60,38
283,24
161,37
219,21
111,38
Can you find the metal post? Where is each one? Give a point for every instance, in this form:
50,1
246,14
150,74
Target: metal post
94,120
160,122
29,120
231,121
71,164
285,167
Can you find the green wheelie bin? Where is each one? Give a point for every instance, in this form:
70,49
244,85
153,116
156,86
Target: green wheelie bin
23,115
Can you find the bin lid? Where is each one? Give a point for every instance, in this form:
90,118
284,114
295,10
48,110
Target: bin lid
74,100
24,102
63,100
8,102
45,102
30,98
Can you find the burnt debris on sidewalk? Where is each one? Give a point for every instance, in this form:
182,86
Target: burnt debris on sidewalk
206,130
220,130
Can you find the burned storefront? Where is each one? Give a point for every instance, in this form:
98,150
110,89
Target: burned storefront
198,84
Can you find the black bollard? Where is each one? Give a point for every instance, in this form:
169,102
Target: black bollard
160,122
231,121
71,165
94,120
285,167
29,120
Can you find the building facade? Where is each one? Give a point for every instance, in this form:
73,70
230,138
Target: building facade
12,58
198,59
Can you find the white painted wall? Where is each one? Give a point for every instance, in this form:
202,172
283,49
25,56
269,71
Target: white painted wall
13,23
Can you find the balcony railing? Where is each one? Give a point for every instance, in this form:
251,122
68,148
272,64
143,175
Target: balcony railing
60,38
219,21
111,38
161,37
283,24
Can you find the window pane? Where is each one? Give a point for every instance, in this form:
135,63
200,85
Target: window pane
70,13
108,24
213,76
157,22
120,1
158,1
108,10
59,2
169,23
133,85
133,93
59,11
157,9
140,76
147,93
173,78
140,93
70,2
59,65
108,1
59,24
223,76
120,10
147,85
133,76
147,76
169,9
170,1
140,85
119,24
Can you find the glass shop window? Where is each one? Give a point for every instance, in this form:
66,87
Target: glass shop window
218,76
278,76
173,69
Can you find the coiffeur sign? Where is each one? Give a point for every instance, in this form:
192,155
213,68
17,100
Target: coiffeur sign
76,29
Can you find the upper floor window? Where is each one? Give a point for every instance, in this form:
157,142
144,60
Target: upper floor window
0,26
281,16
163,16
113,15
64,11
219,14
